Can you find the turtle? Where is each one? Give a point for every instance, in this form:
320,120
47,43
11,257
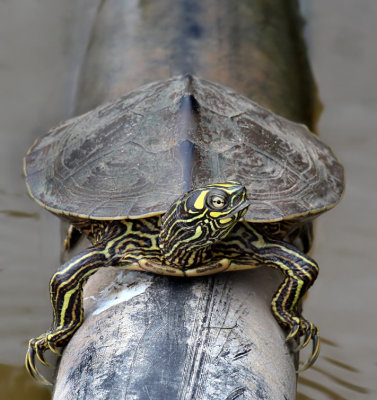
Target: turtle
183,177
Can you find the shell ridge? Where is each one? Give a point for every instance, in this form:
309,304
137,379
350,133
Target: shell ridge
133,156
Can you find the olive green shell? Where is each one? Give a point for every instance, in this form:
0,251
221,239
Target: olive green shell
135,155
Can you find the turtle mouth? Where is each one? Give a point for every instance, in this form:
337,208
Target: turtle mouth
241,205
244,204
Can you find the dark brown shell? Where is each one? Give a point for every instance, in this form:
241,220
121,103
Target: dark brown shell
134,156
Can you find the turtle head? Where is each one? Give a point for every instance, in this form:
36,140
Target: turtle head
200,218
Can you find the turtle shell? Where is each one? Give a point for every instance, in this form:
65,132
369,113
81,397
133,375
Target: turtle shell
134,156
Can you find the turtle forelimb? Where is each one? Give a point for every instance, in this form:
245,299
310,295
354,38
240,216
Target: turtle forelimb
36,349
300,272
66,291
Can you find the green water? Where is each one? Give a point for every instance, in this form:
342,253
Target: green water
16,384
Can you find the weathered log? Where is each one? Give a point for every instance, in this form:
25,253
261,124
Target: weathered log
157,337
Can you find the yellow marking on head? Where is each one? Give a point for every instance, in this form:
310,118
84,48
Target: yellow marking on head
199,203
215,214
198,232
225,220
243,212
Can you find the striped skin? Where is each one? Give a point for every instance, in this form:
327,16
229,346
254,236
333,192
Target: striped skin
192,225
193,238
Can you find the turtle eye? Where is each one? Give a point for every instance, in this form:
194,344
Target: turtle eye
217,202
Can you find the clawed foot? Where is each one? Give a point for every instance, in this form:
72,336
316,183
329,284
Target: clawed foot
37,348
310,332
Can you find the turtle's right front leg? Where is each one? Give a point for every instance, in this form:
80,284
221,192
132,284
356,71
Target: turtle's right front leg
66,291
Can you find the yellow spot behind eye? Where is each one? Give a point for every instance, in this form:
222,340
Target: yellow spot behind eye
225,220
199,203
215,214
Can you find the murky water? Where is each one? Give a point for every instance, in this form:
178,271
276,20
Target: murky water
343,301
38,66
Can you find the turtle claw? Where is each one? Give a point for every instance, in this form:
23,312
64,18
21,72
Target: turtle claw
315,353
52,347
293,332
36,350
295,329
40,355
304,343
310,333
31,367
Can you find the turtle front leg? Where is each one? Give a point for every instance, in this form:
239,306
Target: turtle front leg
72,238
66,291
300,272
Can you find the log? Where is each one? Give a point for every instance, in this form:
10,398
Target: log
157,337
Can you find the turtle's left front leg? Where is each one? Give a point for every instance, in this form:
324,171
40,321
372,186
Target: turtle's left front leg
300,271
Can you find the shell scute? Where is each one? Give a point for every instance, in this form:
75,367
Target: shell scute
132,157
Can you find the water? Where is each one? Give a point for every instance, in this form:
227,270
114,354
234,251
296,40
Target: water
37,71
340,36
38,64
